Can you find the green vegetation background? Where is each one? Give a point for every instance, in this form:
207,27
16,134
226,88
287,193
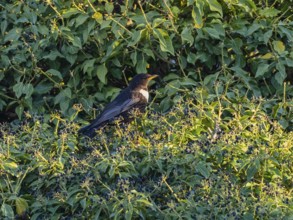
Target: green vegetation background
216,142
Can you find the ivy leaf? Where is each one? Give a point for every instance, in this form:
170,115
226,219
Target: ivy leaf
101,72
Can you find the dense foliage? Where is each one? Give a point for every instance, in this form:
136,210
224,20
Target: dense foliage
181,165
215,143
55,54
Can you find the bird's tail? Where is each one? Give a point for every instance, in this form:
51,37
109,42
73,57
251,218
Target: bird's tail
88,131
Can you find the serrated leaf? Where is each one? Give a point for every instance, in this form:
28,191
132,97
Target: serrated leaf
102,72
21,206
262,69
279,46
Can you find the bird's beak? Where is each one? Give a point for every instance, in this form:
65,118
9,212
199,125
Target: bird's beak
152,77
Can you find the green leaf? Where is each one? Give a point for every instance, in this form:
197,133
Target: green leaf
281,74
28,90
133,57
98,16
81,19
3,26
67,92
149,52
202,168
19,110
215,6
269,12
101,72
53,72
70,12
253,169
129,212
18,89
186,36
267,36
109,7
212,32
53,55
254,27
262,69
191,58
141,65
165,41
64,105
88,65
10,165
13,35
7,211
21,206
197,17
136,36
279,46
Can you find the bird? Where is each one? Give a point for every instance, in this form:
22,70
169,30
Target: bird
133,97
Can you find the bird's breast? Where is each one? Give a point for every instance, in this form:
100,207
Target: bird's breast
144,93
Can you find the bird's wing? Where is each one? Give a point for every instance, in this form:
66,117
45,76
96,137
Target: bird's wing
113,110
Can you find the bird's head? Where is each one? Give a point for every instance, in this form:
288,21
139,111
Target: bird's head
141,80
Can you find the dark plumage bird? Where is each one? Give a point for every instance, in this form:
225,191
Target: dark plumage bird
135,96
